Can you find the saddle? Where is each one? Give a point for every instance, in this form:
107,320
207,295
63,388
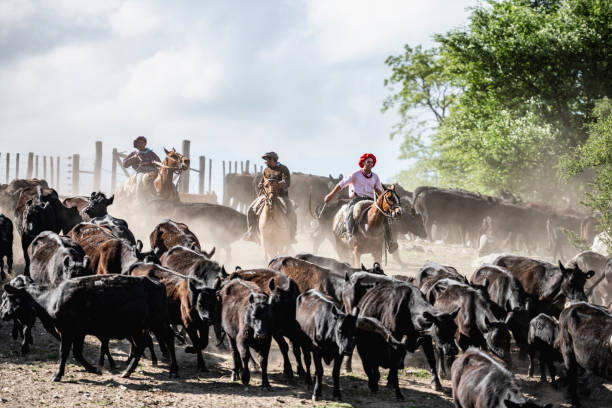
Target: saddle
359,211
260,201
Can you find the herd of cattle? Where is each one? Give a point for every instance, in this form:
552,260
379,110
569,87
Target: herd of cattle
96,280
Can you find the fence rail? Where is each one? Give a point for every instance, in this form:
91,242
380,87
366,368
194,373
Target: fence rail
49,168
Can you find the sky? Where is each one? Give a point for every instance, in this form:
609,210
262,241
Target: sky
237,78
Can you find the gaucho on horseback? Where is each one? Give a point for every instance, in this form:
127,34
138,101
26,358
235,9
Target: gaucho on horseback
279,172
362,184
143,159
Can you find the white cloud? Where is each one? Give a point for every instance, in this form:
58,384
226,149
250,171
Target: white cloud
135,18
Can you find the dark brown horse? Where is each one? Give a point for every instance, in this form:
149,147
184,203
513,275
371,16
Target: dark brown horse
369,227
155,185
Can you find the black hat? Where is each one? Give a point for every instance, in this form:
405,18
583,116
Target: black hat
270,155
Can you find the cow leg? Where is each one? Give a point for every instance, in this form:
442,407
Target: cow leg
551,370
9,260
149,343
348,364
17,329
571,366
64,352
296,353
27,339
2,275
236,357
336,376
195,340
393,381
316,393
161,342
431,360
26,258
284,349
245,356
263,363
439,353
165,338
77,352
139,344
531,354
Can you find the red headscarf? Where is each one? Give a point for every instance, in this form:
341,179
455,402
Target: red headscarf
366,156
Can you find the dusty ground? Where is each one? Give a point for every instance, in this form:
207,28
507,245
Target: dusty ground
25,380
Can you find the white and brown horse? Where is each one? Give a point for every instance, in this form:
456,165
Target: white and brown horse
274,225
155,185
369,225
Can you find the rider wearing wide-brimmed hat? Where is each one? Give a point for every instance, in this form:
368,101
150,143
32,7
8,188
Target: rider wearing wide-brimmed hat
362,185
277,171
142,159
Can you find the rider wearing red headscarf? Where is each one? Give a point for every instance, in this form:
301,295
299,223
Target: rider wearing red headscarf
362,185
142,159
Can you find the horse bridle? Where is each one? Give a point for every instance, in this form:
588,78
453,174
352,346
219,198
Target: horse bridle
175,169
267,197
388,204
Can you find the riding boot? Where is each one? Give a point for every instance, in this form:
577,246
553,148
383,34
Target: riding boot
350,229
251,233
389,238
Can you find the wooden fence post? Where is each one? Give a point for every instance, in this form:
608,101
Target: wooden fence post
76,158
97,167
51,172
241,167
246,166
30,165
210,175
17,166
36,167
57,169
184,187
223,183
44,167
8,166
114,170
202,175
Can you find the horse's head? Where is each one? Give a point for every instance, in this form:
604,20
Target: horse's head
271,187
176,161
389,202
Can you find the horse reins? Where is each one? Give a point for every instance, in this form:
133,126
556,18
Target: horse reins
386,202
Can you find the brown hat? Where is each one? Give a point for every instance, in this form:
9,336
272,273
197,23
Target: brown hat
138,139
270,155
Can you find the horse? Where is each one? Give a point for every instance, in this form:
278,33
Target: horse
155,185
274,227
369,225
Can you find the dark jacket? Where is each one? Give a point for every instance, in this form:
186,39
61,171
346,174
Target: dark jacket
279,172
138,160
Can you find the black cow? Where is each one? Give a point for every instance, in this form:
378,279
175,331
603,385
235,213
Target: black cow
6,245
118,228
55,258
506,291
403,309
585,341
549,286
338,267
328,333
22,324
378,348
105,306
432,272
482,381
542,336
97,205
477,321
248,320
598,289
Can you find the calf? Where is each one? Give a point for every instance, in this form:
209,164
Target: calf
123,307
310,276
283,293
542,336
477,321
189,262
378,348
549,286
431,272
248,320
338,267
55,258
97,206
169,233
327,332
482,381
506,291
403,310
6,245
23,323
598,290
118,227
190,303
585,340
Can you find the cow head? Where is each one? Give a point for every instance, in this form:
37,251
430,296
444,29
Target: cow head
14,300
259,316
442,328
74,269
282,299
36,215
573,283
411,222
205,299
98,203
497,338
344,330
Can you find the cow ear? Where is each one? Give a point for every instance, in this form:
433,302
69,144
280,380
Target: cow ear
139,245
509,317
454,314
67,261
271,285
237,268
251,298
212,252
346,277
110,199
590,274
363,268
11,290
355,311
92,195
223,273
563,270
217,284
29,202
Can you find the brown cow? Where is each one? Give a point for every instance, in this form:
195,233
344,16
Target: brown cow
168,234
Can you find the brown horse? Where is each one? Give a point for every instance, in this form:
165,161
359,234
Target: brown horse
274,224
155,185
369,228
